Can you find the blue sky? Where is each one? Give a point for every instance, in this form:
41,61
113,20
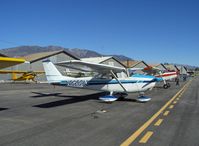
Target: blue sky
150,30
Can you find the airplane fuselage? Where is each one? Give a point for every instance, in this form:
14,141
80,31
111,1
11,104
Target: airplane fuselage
131,84
168,75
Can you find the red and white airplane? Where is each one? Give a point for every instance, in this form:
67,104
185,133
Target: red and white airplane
160,75
167,76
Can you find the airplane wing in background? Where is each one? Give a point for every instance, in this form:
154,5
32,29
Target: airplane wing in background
20,72
7,62
90,67
152,70
148,70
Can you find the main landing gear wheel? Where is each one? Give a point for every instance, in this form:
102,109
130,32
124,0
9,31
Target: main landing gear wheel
108,98
143,98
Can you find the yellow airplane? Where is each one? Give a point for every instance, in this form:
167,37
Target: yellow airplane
26,75
8,62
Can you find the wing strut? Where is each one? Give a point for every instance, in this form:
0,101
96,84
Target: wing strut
117,80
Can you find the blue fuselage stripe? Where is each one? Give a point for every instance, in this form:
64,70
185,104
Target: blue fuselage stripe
116,82
110,82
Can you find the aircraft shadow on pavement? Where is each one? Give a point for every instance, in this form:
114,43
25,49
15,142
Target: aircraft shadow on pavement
159,87
70,100
2,109
39,94
128,100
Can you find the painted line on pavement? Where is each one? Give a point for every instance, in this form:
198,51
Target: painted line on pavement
166,113
137,133
159,122
146,137
171,106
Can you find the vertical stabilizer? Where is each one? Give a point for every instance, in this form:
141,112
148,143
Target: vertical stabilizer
52,73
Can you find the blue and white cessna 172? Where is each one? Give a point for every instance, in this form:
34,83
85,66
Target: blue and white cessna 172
106,79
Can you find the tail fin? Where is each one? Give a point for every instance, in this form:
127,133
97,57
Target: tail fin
52,74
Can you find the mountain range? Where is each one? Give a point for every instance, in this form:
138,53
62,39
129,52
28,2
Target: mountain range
21,51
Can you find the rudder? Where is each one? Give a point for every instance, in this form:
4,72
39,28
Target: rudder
52,73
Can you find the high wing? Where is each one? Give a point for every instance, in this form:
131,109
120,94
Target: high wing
148,70
152,70
7,62
90,67
20,72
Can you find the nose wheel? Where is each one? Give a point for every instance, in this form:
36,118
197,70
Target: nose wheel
166,86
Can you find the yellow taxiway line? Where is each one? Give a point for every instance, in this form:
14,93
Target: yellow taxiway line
133,137
158,122
146,137
171,106
166,113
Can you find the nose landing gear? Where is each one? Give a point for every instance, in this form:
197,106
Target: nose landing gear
166,86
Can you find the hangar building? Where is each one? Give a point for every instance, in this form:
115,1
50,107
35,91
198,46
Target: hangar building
36,62
171,67
136,65
2,55
182,70
160,66
108,60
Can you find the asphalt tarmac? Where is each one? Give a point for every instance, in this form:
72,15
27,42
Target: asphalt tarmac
43,115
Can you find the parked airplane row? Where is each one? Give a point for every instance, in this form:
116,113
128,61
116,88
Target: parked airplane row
105,78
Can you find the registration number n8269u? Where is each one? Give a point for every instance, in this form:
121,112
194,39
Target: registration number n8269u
76,83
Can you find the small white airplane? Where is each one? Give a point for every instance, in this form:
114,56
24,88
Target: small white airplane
106,79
